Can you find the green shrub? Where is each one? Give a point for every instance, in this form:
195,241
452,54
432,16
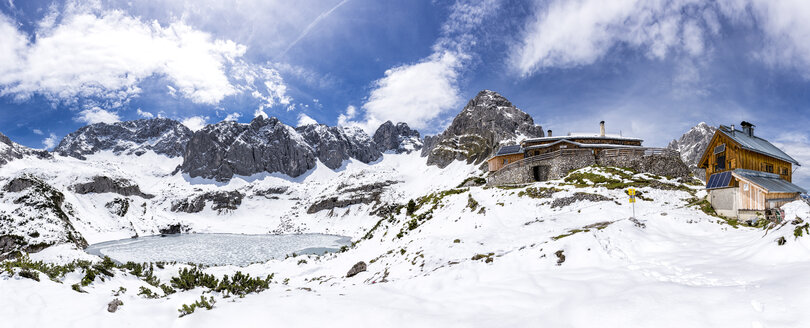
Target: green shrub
202,303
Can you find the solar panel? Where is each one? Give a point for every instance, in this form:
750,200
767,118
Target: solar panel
719,180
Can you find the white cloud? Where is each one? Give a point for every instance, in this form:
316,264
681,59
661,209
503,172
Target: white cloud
569,33
420,92
49,142
260,112
195,123
415,94
145,114
85,52
233,116
96,115
345,118
304,119
37,132
797,145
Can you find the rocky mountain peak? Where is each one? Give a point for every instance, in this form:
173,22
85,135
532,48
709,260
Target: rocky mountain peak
399,138
692,144
220,151
10,150
161,135
486,122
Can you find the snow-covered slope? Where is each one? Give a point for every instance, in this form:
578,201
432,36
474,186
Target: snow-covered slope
553,254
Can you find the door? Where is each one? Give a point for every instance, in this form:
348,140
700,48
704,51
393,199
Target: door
540,172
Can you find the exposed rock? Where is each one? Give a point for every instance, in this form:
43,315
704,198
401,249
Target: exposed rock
487,121
357,268
398,138
173,229
161,135
270,193
228,148
102,184
781,241
333,145
118,206
37,217
10,151
565,201
347,196
222,201
692,144
560,257
113,306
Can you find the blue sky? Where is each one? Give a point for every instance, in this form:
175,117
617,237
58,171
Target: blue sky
651,69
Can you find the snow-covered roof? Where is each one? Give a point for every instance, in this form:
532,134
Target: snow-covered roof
584,136
583,145
756,144
768,181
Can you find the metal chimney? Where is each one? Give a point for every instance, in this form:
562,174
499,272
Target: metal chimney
747,128
549,133
602,129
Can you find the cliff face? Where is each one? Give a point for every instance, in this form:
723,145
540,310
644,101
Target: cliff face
692,144
486,122
399,138
161,135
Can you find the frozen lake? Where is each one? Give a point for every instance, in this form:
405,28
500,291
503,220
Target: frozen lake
216,248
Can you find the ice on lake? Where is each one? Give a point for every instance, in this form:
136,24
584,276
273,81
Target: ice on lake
216,249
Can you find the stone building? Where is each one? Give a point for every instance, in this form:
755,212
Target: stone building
552,157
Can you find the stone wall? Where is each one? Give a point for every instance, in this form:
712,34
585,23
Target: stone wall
556,167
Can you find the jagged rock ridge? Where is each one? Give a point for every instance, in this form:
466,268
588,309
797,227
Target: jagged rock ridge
692,144
334,144
487,121
161,135
399,138
10,151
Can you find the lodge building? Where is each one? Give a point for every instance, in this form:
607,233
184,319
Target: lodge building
747,175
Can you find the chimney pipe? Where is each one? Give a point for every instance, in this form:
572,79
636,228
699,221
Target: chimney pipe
549,133
747,128
602,129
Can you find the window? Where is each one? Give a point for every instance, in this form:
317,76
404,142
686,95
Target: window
784,170
769,168
721,162
536,152
505,161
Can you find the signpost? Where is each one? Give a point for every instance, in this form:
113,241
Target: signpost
632,193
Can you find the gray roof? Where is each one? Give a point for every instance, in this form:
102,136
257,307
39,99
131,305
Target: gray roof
769,181
583,145
583,136
756,144
509,150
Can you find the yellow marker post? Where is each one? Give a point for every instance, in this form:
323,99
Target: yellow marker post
632,193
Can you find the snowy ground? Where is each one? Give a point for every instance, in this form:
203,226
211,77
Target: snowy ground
460,266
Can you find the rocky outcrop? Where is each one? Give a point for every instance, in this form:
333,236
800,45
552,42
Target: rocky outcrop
333,144
102,184
36,216
161,135
356,268
228,148
487,121
173,229
398,138
10,151
118,206
692,144
222,201
347,196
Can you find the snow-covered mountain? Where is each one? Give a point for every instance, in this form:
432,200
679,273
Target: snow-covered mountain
486,122
692,144
161,135
10,151
439,252
398,138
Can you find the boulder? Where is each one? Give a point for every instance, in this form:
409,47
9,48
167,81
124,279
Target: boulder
357,268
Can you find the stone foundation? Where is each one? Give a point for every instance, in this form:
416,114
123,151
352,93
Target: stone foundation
557,165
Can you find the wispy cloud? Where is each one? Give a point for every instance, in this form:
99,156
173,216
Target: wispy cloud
96,115
309,27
